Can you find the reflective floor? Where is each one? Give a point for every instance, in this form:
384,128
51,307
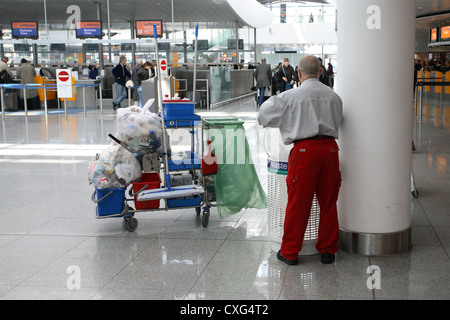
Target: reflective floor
53,247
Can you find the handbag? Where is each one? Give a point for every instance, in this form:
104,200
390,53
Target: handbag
287,86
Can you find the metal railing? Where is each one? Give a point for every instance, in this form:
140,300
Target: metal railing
185,89
46,87
439,95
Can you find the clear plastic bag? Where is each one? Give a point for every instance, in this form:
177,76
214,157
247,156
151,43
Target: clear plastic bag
134,123
126,167
140,127
114,168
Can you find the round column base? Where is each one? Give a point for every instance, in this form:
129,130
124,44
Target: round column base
375,244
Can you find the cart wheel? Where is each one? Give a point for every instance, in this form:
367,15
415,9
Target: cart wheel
130,223
198,210
415,194
205,218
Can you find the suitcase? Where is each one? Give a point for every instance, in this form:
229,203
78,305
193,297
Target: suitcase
11,103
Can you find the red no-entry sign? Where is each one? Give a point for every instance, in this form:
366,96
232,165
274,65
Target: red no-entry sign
63,76
64,83
163,65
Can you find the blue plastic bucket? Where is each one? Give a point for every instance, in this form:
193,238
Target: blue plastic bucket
179,108
112,203
186,202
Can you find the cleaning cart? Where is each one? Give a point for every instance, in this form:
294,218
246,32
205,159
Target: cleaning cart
166,182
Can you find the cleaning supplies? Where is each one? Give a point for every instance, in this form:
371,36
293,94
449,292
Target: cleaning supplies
209,162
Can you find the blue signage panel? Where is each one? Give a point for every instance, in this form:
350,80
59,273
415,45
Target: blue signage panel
24,29
89,29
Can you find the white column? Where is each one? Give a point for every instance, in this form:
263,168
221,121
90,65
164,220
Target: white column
376,40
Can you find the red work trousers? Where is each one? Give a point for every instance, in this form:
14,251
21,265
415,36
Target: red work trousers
313,168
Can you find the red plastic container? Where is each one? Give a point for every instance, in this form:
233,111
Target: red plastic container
153,180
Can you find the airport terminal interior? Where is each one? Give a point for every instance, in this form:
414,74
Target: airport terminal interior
54,245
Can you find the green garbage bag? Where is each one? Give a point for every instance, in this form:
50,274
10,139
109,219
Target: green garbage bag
236,183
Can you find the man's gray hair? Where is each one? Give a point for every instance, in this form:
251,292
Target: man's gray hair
122,58
309,65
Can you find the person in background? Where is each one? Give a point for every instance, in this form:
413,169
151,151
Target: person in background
277,82
309,117
120,73
4,66
330,76
26,74
263,76
142,74
241,64
287,74
153,69
93,71
134,69
323,74
138,65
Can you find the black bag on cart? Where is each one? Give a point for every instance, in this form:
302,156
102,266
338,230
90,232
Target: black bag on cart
5,77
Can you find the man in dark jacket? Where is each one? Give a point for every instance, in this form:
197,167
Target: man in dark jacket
120,74
142,74
287,73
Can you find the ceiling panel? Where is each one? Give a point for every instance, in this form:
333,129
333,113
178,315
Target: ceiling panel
430,13
427,7
300,1
122,10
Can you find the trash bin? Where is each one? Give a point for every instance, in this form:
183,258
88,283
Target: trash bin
277,167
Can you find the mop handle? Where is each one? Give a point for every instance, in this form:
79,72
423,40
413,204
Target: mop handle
114,138
194,85
161,108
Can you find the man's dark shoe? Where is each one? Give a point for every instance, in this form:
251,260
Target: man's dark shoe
114,105
287,261
327,258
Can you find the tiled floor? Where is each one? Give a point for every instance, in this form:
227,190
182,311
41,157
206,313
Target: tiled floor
49,234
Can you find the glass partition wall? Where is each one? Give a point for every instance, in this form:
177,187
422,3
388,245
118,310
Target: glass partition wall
57,46
58,42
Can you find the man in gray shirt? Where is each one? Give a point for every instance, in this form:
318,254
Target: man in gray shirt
308,116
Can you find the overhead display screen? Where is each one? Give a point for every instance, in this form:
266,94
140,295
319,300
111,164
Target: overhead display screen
202,45
434,35
445,33
89,29
232,44
24,29
144,28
